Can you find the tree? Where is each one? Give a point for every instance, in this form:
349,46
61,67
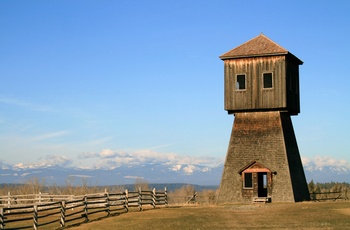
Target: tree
141,184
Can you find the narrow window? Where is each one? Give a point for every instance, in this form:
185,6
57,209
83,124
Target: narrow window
240,82
265,180
267,78
248,180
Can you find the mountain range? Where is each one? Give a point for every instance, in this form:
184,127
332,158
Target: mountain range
149,172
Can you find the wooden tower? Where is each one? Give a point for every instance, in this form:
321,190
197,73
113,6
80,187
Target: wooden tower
262,91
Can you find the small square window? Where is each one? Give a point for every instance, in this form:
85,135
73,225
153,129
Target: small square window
267,78
240,82
248,180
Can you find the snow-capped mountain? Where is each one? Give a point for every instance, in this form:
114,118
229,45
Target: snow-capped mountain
150,172
327,174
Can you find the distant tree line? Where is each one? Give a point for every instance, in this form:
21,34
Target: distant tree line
178,193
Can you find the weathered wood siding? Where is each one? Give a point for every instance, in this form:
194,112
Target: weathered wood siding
255,97
269,138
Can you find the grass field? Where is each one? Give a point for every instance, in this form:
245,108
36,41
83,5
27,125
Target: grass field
305,215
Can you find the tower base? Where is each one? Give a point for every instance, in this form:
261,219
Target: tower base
263,160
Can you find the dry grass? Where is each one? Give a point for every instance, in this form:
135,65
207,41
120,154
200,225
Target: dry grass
305,215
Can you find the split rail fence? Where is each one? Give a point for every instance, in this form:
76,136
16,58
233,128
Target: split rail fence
60,211
327,196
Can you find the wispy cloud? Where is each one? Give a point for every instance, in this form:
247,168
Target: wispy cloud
105,153
51,135
26,105
57,160
26,174
133,177
100,141
80,176
108,158
325,161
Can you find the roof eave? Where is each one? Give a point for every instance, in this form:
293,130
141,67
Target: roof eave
226,57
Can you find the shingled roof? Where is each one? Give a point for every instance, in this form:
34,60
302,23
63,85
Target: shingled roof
257,47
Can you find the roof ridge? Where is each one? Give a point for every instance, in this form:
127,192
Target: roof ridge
272,41
260,45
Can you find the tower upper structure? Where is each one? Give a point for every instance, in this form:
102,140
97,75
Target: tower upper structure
260,75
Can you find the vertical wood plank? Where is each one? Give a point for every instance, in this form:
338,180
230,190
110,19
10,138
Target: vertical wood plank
2,224
35,217
86,208
126,203
63,214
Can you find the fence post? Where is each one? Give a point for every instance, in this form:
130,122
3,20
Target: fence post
35,217
107,203
2,224
8,201
40,198
126,203
165,197
154,198
63,213
140,199
86,208
345,192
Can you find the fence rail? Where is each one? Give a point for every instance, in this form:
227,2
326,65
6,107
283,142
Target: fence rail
324,196
36,210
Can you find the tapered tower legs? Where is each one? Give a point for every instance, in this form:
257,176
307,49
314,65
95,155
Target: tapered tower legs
263,160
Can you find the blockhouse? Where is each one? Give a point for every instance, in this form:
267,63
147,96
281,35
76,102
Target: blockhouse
262,91
261,75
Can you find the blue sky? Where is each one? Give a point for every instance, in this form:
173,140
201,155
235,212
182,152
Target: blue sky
82,81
